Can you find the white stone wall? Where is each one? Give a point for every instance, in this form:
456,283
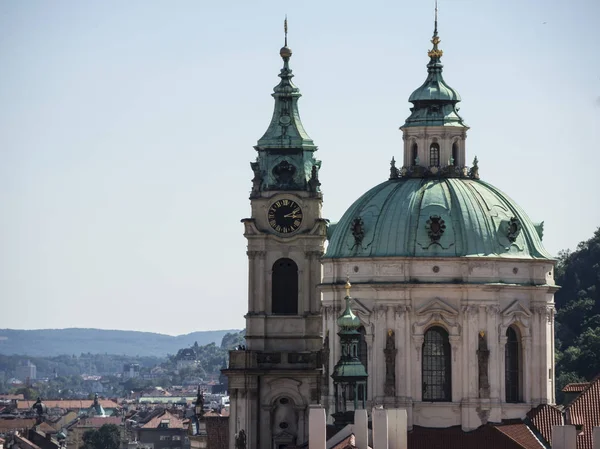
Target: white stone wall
465,296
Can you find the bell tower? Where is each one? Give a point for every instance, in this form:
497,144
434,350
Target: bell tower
274,379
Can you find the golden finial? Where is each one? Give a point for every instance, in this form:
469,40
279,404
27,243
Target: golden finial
435,40
482,333
348,286
390,332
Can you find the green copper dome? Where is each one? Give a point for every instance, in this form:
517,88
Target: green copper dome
435,217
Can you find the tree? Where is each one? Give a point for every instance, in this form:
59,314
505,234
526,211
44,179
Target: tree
106,437
578,314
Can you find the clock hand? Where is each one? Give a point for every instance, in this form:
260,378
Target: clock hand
290,215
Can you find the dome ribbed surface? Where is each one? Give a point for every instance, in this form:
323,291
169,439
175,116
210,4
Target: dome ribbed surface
451,217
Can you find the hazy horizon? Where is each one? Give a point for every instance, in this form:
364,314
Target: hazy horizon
127,132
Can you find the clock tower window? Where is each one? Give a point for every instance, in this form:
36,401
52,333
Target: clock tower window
284,291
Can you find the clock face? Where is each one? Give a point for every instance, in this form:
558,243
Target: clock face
285,216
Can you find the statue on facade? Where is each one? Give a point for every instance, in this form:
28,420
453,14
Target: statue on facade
390,364
483,357
240,440
257,180
325,358
314,183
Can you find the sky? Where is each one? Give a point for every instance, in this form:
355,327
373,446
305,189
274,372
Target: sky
127,128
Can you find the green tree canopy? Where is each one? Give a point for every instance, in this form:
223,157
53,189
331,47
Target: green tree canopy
106,437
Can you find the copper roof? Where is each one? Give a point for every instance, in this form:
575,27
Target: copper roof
575,387
174,422
543,417
69,404
585,411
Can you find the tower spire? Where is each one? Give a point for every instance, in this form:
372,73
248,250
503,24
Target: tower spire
286,135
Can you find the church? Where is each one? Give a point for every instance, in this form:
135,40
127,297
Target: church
433,292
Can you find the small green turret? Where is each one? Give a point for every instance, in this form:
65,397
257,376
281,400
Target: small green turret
349,375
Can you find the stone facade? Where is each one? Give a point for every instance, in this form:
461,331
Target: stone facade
465,297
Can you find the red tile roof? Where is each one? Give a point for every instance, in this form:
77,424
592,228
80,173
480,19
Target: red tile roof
10,397
16,424
105,403
575,387
521,434
585,411
347,443
174,422
543,417
97,422
488,437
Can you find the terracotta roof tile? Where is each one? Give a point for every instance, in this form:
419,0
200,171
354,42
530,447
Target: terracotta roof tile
486,437
585,411
15,424
97,422
105,403
543,417
575,387
521,434
347,443
174,422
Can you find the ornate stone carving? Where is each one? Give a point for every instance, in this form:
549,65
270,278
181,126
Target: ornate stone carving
314,183
390,364
483,356
474,171
394,172
492,310
325,357
240,440
258,178
284,173
401,310
437,311
358,231
514,313
513,229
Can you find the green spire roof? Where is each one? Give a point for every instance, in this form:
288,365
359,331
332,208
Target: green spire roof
348,321
285,152
435,101
286,130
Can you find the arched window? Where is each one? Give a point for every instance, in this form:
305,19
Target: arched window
434,155
455,152
362,348
435,365
284,291
415,153
512,365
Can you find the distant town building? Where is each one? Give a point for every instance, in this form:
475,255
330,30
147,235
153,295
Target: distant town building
131,370
163,431
26,371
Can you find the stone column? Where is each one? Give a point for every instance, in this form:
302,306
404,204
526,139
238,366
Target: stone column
502,339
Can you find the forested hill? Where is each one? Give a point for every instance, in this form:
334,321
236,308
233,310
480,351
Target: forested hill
53,342
578,313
